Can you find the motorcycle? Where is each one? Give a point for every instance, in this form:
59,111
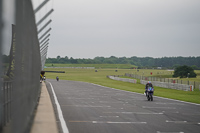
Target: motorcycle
57,78
149,94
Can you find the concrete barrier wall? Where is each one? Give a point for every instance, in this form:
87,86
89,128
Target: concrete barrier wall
123,79
170,85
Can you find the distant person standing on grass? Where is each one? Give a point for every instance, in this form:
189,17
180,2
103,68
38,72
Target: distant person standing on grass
57,78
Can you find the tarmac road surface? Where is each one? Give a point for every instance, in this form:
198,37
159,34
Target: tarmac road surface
90,108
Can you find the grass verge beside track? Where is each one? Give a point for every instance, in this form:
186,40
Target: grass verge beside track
89,75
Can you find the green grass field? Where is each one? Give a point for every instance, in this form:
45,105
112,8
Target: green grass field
89,75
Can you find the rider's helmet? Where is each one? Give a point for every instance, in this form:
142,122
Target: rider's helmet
149,82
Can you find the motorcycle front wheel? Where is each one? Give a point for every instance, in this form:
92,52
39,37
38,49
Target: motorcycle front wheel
151,98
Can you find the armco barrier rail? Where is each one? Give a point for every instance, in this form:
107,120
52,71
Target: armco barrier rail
170,85
123,79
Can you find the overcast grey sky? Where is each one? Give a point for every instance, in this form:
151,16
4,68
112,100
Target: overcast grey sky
154,28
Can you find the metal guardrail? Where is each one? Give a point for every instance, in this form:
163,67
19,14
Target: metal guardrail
122,79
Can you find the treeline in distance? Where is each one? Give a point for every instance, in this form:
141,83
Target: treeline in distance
168,62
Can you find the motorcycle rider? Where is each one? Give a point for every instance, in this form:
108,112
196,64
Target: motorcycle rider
57,78
149,84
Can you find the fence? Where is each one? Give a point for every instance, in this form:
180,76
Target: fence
122,79
7,98
170,85
196,85
19,77
1,69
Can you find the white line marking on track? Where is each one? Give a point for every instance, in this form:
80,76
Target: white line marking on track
158,107
108,122
169,132
109,116
176,121
143,94
139,113
88,106
78,98
109,102
171,103
191,113
60,115
113,122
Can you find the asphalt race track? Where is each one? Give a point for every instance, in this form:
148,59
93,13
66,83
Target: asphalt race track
90,108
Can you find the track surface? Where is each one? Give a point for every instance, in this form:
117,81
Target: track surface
89,108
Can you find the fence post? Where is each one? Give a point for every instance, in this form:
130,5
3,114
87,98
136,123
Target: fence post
1,71
194,85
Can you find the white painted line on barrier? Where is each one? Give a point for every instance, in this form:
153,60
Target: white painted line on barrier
60,115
